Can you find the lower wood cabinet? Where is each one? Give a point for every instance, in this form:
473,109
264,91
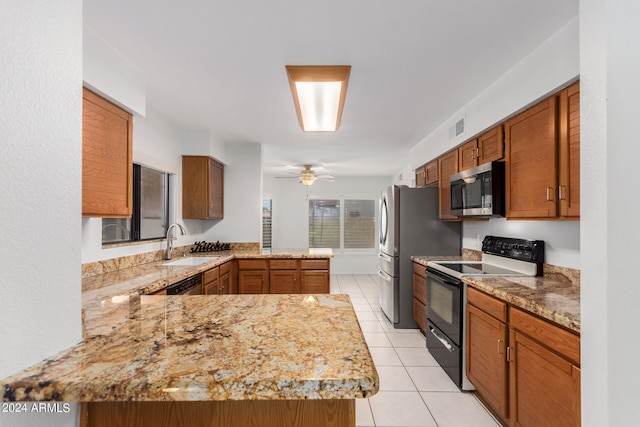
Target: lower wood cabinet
228,282
525,369
420,296
283,276
253,276
487,366
211,281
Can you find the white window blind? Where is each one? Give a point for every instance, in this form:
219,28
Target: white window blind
342,223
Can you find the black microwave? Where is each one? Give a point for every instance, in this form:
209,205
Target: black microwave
479,192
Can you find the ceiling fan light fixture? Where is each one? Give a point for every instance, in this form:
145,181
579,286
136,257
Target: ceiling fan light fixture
307,179
319,93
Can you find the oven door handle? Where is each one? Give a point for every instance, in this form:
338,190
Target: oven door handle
442,340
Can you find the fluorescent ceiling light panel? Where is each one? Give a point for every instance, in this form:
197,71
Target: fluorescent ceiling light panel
319,93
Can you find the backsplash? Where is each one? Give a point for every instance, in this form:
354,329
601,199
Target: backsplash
114,264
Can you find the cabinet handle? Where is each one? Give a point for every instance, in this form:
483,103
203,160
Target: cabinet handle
499,346
477,153
560,192
549,193
508,354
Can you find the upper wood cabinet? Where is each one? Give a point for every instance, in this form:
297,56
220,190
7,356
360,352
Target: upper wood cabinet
202,188
447,166
488,147
569,161
107,167
531,163
543,159
427,174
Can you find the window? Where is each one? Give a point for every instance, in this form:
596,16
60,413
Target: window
150,209
266,223
342,223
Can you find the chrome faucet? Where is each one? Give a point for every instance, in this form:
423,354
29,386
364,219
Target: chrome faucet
167,255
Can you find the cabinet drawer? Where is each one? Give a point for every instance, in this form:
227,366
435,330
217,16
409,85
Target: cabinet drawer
488,304
225,268
210,275
283,264
252,264
314,264
419,269
554,337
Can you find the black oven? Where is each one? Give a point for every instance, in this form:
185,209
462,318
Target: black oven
479,191
445,299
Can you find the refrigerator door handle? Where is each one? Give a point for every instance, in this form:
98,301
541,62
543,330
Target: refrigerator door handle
385,257
384,275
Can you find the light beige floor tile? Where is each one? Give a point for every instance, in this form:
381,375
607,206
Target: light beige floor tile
366,316
414,339
377,339
391,409
362,307
414,356
468,412
388,327
364,416
385,356
431,378
370,326
395,378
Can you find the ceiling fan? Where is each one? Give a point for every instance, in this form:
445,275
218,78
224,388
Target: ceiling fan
308,176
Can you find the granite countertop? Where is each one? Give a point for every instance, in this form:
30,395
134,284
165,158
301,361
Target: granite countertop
203,348
554,300
154,276
552,296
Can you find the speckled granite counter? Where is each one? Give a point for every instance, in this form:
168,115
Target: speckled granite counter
208,348
554,300
555,296
153,276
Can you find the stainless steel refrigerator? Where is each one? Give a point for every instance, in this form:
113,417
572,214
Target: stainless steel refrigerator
409,226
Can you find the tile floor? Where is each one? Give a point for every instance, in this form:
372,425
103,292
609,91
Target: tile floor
414,390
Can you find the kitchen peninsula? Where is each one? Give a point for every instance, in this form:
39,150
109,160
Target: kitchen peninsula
208,360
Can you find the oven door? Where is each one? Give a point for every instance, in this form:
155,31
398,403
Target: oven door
444,304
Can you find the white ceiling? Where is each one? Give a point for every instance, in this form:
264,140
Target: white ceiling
219,65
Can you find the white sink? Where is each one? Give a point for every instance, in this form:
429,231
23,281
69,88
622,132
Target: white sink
190,261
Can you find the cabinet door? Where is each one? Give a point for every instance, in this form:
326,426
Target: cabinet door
314,282
107,166
431,173
569,162
216,190
491,146
420,177
252,281
284,282
545,388
447,166
468,155
211,281
202,188
420,315
225,283
531,164
487,366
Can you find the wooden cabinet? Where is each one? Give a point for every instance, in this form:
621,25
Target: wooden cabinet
107,167
488,147
202,188
253,276
543,161
227,278
531,165
427,174
211,281
545,373
284,276
447,166
314,276
159,292
420,296
526,369
569,158
487,366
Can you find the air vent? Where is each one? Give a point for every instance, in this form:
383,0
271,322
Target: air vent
457,129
